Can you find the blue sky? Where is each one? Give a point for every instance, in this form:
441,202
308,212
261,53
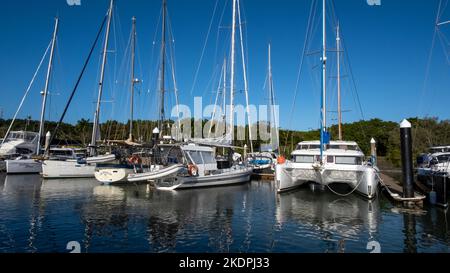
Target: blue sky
388,48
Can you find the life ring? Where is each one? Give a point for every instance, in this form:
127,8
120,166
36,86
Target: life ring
192,170
135,160
281,160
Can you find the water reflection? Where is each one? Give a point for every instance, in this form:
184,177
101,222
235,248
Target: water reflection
329,217
43,216
167,215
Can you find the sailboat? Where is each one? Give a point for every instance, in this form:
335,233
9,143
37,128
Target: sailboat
326,162
134,169
201,165
83,167
265,160
24,164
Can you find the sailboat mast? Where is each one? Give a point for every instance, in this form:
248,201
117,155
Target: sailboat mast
224,109
45,92
338,47
233,56
133,80
272,99
102,78
244,69
163,69
324,82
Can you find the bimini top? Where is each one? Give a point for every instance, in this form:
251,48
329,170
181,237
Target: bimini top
316,144
195,147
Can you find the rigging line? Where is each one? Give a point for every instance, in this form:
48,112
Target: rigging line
428,67
26,93
77,83
312,9
444,43
173,66
204,48
348,63
216,50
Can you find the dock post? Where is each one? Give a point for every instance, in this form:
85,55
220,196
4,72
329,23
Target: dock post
373,151
407,163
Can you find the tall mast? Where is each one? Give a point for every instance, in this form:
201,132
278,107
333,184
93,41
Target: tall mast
233,56
324,82
45,92
224,109
338,47
272,99
133,80
244,69
163,69
102,78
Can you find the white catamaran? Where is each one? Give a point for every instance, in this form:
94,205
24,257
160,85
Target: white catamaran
324,162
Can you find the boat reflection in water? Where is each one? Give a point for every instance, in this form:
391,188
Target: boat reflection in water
330,219
164,221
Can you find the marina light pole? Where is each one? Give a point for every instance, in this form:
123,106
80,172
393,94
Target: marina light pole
45,92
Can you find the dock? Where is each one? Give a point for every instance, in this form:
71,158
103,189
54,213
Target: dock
268,177
394,191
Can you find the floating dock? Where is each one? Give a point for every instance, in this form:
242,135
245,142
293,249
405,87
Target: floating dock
394,191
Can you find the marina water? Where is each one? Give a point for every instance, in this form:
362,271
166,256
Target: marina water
44,216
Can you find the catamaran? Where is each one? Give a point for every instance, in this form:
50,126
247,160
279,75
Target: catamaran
326,162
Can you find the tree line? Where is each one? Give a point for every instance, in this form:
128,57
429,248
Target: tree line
427,132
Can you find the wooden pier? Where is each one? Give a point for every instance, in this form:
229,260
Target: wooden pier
394,191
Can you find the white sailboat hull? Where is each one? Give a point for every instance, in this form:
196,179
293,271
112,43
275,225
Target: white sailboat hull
113,175
158,172
23,166
52,169
227,178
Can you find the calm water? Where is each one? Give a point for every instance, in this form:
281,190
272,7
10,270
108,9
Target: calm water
43,216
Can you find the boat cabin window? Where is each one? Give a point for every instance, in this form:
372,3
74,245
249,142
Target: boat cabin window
443,158
303,158
330,159
65,153
348,160
308,146
343,147
202,157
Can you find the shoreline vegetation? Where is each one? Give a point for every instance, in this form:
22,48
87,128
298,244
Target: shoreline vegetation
427,132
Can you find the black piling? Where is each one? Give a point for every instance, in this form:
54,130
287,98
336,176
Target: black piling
407,162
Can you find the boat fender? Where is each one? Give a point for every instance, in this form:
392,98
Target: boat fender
135,160
193,170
